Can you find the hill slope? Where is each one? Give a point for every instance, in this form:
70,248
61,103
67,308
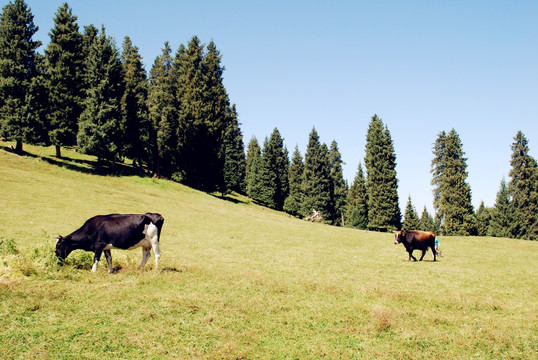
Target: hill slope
241,281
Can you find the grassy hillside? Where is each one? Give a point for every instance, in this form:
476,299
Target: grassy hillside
240,281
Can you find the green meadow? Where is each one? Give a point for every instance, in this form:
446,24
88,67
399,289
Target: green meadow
239,281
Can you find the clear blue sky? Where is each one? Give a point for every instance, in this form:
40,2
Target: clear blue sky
422,66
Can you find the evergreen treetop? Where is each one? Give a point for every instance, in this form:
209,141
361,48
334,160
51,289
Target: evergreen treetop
18,68
411,220
523,188
64,73
357,202
381,182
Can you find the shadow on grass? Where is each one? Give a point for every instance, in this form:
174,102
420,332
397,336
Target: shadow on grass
230,198
103,168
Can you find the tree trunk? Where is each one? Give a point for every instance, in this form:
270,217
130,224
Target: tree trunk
58,152
18,147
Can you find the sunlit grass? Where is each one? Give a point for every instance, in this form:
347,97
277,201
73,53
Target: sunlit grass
241,281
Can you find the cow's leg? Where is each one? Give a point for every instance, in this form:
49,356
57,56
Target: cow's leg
108,256
157,252
434,253
97,257
423,253
411,256
152,235
146,253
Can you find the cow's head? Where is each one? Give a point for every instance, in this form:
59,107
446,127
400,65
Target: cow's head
62,248
398,237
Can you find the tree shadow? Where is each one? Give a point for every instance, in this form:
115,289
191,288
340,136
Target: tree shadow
94,167
230,198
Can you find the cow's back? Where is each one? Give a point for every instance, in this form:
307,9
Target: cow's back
421,239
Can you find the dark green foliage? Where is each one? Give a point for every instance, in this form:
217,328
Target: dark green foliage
483,218
234,154
381,182
339,186
411,220
452,194
18,68
64,73
274,174
426,222
136,126
162,113
99,128
203,104
253,169
503,221
292,204
316,182
523,187
357,202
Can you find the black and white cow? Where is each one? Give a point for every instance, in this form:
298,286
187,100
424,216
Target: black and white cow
115,231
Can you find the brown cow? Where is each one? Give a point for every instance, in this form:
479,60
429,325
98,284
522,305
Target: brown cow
416,240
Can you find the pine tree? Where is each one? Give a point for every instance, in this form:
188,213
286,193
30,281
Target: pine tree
64,73
523,187
202,117
253,168
452,194
357,202
339,185
18,68
483,218
266,178
234,154
380,161
503,219
293,203
99,129
275,171
411,220
426,222
136,126
316,182
162,108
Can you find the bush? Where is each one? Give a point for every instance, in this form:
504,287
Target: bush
7,247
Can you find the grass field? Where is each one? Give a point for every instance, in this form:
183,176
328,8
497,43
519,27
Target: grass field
238,281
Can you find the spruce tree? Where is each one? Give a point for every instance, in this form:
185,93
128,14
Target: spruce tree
202,116
293,203
426,222
253,169
275,171
523,187
452,194
380,161
136,126
18,68
357,202
411,220
266,178
162,108
503,221
316,182
234,154
99,129
483,218
64,73
339,185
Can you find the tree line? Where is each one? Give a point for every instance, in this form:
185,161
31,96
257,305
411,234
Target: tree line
177,122
85,93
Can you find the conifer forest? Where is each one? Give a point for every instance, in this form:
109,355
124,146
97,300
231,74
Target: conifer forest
176,121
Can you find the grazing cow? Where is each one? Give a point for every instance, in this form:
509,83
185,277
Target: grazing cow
416,240
116,231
